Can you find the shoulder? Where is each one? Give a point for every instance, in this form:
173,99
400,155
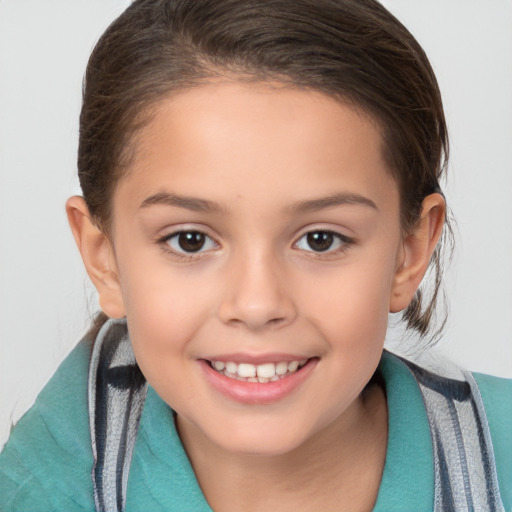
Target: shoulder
46,463
497,398
457,413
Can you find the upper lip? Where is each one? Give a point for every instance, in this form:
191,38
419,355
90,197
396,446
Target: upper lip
257,359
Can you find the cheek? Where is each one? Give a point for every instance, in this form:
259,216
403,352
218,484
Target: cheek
164,307
352,303
163,322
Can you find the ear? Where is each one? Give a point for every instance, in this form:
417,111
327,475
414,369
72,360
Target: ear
98,257
416,251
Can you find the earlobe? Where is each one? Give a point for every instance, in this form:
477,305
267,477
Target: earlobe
416,251
98,257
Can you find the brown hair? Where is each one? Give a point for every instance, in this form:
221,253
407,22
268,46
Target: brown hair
353,50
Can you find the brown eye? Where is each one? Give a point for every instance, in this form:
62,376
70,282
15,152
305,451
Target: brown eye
190,242
323,241
320,241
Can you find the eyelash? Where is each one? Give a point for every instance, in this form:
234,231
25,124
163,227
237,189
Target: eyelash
182,254
343,242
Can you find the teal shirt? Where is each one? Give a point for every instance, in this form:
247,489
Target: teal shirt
46,465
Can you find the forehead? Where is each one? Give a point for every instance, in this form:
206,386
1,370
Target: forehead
227,140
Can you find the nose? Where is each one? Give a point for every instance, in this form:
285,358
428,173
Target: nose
257,294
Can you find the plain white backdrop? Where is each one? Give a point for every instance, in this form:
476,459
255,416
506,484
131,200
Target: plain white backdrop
45,299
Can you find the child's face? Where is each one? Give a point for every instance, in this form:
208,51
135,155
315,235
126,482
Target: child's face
290,241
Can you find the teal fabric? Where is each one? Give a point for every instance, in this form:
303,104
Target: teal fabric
46,464
408,478
161,477
497,396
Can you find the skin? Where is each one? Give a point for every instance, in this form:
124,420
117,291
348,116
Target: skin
263,155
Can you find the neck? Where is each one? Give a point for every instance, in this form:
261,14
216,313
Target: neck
339,468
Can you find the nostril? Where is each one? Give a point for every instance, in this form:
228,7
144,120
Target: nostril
255,322
276,321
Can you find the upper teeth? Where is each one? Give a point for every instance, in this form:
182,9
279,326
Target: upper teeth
266,370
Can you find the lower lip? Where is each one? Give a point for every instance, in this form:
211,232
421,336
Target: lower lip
256,392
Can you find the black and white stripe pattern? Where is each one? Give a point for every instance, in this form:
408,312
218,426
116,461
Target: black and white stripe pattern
117,391
465,471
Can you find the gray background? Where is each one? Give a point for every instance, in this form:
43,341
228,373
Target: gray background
45,298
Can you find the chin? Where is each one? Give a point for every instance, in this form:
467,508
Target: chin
262,441
265,448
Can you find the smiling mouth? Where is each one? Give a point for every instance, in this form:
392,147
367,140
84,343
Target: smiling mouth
261,373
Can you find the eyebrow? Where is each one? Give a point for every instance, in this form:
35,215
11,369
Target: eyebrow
189,203
205,206
339,199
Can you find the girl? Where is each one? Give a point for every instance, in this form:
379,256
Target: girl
260,189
